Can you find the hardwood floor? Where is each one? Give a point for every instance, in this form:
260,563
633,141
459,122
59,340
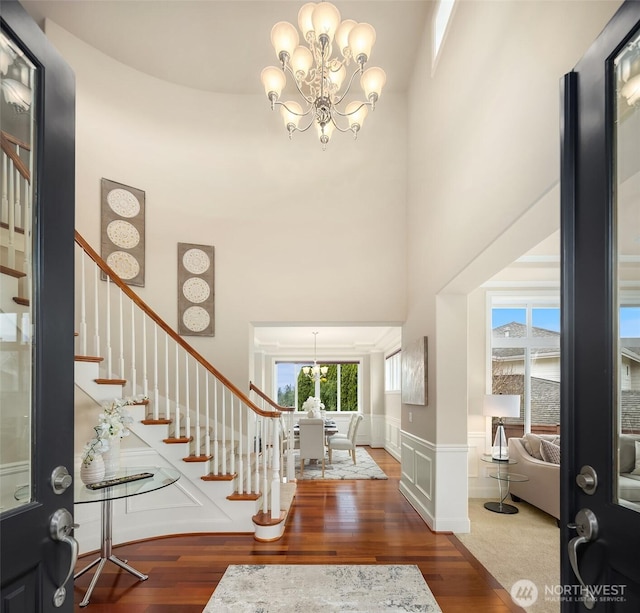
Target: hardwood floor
333,522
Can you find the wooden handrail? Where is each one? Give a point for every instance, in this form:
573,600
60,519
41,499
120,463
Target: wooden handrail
268,400
160,322
5,142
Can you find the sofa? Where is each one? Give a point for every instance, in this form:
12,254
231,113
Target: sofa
537,461
542,490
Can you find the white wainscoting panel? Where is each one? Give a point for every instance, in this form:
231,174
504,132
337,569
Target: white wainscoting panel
377,438
392,437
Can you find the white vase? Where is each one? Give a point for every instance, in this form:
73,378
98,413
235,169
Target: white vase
111,458
93,471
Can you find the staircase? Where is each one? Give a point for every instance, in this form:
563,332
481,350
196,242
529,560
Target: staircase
226,446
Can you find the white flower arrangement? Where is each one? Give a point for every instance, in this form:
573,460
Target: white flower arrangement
96,446
115,419
313,406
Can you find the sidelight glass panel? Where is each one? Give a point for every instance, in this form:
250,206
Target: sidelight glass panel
17,128
627,210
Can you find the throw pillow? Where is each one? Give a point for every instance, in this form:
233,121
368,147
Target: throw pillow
636,470
550,452
531,443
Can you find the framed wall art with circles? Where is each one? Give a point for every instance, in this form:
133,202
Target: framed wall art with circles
195,290
122,230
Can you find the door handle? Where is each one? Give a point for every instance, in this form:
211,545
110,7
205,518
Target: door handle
60,528
586,525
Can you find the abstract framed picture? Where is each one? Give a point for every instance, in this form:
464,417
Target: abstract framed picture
122,230
414,372
196,295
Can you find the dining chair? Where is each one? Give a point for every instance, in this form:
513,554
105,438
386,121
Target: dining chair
346,444
311,441
352,423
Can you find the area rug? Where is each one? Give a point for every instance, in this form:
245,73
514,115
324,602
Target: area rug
342,467
517,548
322,588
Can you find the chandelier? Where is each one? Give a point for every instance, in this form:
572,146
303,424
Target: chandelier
319,74
628,67
315,372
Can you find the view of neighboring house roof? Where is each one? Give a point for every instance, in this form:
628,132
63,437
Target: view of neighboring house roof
517,330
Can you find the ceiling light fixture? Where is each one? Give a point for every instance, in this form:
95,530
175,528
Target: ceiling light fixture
629,73
319,75
15,73
315,372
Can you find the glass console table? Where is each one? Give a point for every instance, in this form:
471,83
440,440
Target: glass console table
161,477
504,478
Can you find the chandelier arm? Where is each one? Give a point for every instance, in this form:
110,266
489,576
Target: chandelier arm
337,112
346,91
284,104
338,127
309,99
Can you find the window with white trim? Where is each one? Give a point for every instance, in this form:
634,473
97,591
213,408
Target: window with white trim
392,372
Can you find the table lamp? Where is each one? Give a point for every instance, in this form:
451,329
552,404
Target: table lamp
501,405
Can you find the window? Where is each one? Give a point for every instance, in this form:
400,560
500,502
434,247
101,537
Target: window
525,360
339,390
392,372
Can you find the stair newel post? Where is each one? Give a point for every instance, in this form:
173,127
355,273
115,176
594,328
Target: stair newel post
96,309
249,434
207,417
216,456
145,374
265,476
83,304
109,365
240,451
291,469
187,406
198,436
224,431
167,409
232,433
177,419
11,253
134,372
121,335
156,408
275,474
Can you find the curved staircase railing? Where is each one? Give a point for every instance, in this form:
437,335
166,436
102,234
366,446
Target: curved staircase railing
136,348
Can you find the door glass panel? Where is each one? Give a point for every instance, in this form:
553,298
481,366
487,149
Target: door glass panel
627,190
17,80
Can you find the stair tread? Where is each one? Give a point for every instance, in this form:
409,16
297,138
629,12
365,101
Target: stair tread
21,301
88,358
12,272
111,381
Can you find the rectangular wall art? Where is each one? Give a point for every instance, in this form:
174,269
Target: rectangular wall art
195,290
414,372
122,230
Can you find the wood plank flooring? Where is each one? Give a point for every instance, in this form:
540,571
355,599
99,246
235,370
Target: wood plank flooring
333,522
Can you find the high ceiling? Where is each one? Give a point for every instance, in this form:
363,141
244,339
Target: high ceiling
222,46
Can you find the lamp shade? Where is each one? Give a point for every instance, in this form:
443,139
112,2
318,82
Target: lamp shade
273,80
501,405
284,37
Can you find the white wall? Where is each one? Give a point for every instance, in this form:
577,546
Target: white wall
220,170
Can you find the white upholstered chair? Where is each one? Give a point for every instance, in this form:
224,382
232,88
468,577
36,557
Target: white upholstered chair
311,441
349,442
352,423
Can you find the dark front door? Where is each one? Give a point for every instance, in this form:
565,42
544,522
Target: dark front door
36,319
600,468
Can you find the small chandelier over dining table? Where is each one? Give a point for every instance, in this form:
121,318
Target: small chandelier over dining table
315,372
319,75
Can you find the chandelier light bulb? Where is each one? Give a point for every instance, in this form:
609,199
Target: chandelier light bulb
304,20
325,19
357,113
273,80
361,39
337,77
301,62
291,112
342,37
284,38
372,81
631,90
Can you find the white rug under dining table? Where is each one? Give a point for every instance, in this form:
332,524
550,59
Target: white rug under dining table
322,588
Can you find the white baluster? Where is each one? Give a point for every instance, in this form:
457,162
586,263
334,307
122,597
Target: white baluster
156,407
5,195
145,374
207,417
187,389
216,454
197,428
249,415
224,432
121,336
291,464
109,369
256,450
96,313
232,437
275,474
177,419
167,409
11,248
134,371
265,480
83,304
240,451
